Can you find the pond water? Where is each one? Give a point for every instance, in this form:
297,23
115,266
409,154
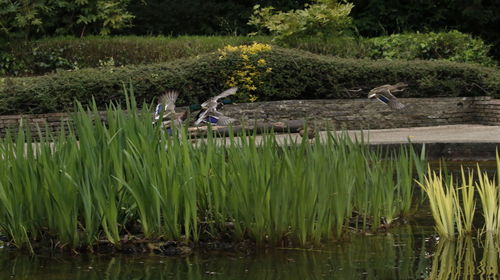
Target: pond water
406,252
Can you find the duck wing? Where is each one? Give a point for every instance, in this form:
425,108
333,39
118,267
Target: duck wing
378,90
392,101
225,93
158,110
206,104
211,103
201,117
168,99
223,120
399,86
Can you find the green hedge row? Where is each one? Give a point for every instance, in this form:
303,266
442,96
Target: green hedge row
67,53
294,75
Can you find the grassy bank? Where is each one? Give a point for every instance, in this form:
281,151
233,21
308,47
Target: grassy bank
127,177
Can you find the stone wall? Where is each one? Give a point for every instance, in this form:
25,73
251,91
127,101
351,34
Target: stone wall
488,111
365,113
53,122
340,113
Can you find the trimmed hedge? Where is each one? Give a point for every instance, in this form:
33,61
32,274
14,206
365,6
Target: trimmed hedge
67,53
294,75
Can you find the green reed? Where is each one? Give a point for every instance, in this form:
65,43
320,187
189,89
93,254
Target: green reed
103,180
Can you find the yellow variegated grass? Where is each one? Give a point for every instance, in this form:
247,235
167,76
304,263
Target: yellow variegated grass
488,193
442,200
466,197
453,208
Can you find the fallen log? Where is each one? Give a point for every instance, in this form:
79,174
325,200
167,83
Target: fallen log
289,126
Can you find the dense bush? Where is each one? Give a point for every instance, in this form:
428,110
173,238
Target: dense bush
383,17
294,74
321,19
453,46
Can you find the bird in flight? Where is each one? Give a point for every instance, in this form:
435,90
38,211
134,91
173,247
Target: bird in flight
384,94
165,110
210,113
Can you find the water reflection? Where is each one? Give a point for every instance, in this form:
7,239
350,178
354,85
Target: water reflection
456,259
488,267
403,254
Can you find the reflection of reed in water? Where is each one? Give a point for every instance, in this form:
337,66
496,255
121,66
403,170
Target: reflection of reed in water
390,256
444,264
456,260
488,266
398,255
466,253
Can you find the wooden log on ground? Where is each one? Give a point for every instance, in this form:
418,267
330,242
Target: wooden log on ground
290,126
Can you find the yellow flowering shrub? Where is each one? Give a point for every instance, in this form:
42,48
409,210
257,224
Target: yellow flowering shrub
250,69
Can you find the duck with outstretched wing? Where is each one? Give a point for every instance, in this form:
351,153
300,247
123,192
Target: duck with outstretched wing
165,110
384,94
209,113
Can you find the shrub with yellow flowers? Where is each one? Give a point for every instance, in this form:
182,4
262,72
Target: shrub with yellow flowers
250,69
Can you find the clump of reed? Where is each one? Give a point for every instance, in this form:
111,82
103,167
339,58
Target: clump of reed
453,206
442,199
490,200
103,180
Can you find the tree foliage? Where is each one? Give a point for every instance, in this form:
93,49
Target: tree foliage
323,18
198,17
370,17
31,18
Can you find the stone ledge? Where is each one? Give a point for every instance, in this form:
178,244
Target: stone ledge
449,151
341,113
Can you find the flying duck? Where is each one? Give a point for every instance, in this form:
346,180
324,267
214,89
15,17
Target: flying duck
210,113
384,94
166,106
